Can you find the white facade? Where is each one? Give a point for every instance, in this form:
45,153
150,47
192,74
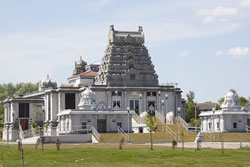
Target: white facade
126,81
231,118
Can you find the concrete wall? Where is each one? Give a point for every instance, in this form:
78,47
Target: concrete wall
69,139
225,123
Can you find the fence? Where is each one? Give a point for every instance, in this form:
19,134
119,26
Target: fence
172,133
160,116
96,133
247,129
137,118
183,122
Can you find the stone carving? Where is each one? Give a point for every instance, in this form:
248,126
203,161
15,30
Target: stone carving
79,66
247,107
170,117
87,100
126,53
230,102
101,106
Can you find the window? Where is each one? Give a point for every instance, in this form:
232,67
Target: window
218,125
116,93
84,125
234,124
131,66
116,104
24,110
209,125
132,76
151,93
119,124
134,105
69,100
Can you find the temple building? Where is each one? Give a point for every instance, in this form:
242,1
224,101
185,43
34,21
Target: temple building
109,96
231,118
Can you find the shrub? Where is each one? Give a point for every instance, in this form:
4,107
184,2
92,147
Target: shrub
58,144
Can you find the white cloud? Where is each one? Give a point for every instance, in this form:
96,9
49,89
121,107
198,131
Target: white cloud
218,11
236,53
245,3
184,54
218,14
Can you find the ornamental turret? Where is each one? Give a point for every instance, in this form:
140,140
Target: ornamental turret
231,102
79,66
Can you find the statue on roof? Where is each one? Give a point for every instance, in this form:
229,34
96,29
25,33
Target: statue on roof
79,66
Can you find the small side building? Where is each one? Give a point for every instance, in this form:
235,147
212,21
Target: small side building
231,118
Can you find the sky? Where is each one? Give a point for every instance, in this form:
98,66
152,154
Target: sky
201,45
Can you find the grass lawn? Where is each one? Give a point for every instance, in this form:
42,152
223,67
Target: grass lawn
131,155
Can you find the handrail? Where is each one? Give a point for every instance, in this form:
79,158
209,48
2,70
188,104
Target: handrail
248,129
122,132
95,133
137,118
21,134
209,135
171,132
160,116
183,122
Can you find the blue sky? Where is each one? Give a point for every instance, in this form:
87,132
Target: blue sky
201,45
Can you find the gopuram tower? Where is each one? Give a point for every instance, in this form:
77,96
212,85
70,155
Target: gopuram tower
126,61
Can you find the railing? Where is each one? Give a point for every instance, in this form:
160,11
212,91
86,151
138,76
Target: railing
137,118
21,135
248,129
70,130
121,131
183,122
159,116
209,135
95,133
171,132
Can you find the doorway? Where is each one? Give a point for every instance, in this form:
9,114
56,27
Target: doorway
101,125
24,123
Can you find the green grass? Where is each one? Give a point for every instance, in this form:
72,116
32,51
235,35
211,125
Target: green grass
131,155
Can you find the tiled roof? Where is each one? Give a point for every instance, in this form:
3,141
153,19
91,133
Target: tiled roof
206,106
69,85
87,74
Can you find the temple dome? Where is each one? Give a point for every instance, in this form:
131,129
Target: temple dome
230,101
47,83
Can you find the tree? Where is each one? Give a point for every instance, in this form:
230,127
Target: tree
152,126
243,101
190,106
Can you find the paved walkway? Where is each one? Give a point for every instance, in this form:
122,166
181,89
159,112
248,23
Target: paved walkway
216,145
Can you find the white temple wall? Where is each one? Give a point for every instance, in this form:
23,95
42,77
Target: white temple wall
101,96
77,99
54,106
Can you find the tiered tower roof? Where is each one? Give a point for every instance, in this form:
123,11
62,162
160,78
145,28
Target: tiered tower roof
126,61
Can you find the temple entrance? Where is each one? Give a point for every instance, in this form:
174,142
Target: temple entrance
24,123
101,125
